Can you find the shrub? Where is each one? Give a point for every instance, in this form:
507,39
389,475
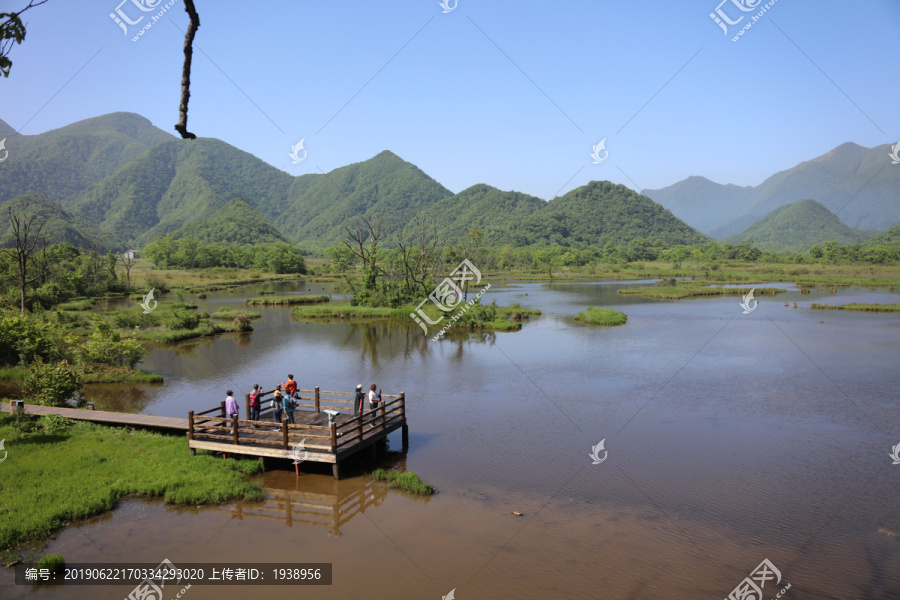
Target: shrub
242,322
52,385
107,347
182,319
407,480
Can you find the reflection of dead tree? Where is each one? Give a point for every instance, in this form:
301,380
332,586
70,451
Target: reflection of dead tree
363,238
181,127
420,256
27,231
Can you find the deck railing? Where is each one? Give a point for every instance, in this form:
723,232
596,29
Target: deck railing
329,438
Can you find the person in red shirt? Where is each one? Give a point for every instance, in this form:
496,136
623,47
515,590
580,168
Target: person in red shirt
290,386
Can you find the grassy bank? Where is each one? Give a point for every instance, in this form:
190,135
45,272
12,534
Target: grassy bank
346,311
286,300
859,307
230,314
601,316
408,481
677,292
58,472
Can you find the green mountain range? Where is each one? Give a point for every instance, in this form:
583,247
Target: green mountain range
857,183
131,182
60,226
797,227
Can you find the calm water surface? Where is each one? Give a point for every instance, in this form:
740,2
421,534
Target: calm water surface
731,438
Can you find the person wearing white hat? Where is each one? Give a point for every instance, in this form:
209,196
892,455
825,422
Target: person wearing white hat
358,401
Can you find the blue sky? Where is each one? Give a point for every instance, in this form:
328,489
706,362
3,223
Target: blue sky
513,94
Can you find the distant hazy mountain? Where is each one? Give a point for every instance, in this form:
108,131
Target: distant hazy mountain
136,183
235,223
62,163
797,227
859,184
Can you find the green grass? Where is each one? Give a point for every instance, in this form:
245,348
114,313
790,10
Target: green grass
54,562
346,311
109,374
859,307
229,314
677,292
49,481
76,305
407,480
14,373
601,316
287,300
169,336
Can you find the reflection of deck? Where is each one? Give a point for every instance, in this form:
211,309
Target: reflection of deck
317,509
312,437
104,416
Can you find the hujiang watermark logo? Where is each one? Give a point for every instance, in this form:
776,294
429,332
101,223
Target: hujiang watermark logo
448,295
152,587
296,159
597,149
5,452
299,452
146,303
5,151
448,5
450,596
722,18
895,453
747,300
595,452
751,588
894,153
123,20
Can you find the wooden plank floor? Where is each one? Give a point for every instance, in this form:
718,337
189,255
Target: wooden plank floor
103,416
219,440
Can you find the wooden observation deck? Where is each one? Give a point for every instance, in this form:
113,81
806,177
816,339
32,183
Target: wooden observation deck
313,437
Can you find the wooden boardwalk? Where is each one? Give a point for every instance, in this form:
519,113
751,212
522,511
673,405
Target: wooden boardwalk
311,438
107,417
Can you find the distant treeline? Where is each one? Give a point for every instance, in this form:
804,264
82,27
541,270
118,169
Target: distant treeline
188,253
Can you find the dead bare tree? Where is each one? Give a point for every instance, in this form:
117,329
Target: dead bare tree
420,255
27,231
363,238
181,126
127,259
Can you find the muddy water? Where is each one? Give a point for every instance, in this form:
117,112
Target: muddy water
731,438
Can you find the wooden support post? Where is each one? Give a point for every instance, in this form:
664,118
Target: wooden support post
262,462
334,438
247,404
234,429
383,418
359,425
222,409
284,433
403,405
317,398
191,426
336,470
191,451
296,468
405,430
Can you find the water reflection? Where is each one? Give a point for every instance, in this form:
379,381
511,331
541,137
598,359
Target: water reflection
121,397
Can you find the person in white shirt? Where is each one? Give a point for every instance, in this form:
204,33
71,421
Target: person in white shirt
374,400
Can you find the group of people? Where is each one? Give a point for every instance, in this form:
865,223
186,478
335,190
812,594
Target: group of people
284,405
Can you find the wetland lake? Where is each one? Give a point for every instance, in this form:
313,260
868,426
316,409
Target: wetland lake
729,438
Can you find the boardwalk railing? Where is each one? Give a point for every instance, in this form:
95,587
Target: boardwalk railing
331,438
